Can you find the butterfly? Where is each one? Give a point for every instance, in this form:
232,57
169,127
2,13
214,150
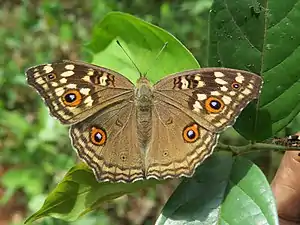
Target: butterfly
126,132
290,141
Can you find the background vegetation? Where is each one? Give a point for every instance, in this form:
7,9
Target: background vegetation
40,31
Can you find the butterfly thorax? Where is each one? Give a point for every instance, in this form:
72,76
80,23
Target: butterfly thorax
144,105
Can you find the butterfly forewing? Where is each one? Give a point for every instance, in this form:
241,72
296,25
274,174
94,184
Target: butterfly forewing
75,90
214,97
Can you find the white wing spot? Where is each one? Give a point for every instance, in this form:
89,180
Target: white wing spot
71,86
226,99
224,88
88,101
90,72
221,122
54,84
63,80
36,74
250,86
69,67
200,84
86,78
48,68
201,97
246,91
59,91
55,106
185,83
215,93
239,78
229,114
240,97
232,93
103,80
67,73
197,106
45,86
85,91
219,74
62,114
197,77
220,81
207,140
218,124
39,80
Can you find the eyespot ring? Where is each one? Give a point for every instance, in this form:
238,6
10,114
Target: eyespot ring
72,98
214,105
98,136
51,76
191,133
236,85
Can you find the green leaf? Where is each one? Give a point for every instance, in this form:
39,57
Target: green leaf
224,190
260,36
79,193
31,180
142,41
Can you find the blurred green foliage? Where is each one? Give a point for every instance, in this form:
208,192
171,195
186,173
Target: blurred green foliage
35,150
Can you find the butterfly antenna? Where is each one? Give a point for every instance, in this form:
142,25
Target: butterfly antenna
129,58
158,54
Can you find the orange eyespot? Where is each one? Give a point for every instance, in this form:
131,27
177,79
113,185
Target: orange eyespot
72,98
191,133
51,76
236,85
214,105
98,136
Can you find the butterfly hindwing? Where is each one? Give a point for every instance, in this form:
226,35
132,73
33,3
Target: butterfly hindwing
107,141
178,143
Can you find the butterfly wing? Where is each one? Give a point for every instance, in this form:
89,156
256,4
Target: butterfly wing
213,97
75,90
178,143
108,143
190,109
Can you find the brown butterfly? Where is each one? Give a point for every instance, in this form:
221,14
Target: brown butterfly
128,132
290,141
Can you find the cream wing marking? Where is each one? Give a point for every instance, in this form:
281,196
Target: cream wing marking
234,88
102,88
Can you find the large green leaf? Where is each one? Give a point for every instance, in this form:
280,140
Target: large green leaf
260,36
79,193
142,41
224,190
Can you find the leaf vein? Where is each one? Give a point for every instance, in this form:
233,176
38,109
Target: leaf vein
279,21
